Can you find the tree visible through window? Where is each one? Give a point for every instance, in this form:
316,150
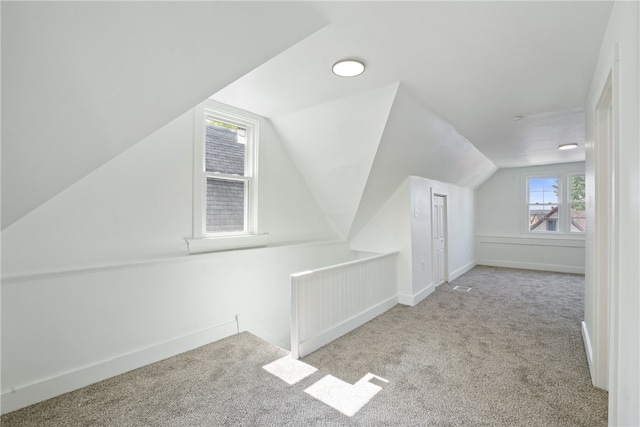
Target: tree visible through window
577,190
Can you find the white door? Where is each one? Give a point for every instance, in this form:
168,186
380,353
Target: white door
439,215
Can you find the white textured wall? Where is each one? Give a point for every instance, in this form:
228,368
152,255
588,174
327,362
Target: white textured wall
624,381
500,225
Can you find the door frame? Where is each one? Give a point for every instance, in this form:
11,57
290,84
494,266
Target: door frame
435,193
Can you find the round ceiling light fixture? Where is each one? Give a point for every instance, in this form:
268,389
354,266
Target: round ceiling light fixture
568,146
348,68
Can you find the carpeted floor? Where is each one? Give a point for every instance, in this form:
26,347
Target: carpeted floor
507,353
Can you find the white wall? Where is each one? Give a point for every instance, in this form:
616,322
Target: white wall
396,227
97,280
502,239
623,323
64,331
139,207
135,67
390,231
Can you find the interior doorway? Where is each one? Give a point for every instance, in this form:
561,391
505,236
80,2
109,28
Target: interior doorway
439,234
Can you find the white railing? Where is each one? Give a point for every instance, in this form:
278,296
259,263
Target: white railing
329,302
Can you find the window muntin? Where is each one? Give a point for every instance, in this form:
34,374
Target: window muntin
225,179
543,194
556,204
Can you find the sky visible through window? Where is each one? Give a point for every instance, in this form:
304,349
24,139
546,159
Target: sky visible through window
543,190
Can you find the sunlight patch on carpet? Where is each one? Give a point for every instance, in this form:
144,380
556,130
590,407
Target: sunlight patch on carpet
346,398
289,369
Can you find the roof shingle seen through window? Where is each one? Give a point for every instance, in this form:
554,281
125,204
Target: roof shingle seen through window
225,198
223,152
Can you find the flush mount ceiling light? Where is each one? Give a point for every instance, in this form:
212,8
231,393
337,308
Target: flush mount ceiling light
348,68
568,146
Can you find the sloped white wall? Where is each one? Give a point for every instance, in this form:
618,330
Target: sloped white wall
139,207
84,81
416,142
623,349
501,238
334,145
96,281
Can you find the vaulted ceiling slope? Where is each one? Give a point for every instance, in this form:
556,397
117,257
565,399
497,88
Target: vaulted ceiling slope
84,81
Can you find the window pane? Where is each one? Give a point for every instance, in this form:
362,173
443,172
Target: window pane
578,218
225,148
543,190
225,205
543,218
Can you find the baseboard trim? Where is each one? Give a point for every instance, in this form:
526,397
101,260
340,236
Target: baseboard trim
588,348
413,300
532,266
460,271
28,394
312,344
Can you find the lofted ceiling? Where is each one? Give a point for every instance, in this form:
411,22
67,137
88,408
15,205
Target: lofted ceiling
476,64
461,70
442,84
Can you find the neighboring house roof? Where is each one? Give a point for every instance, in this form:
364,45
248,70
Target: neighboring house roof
537,222
579,220
225,199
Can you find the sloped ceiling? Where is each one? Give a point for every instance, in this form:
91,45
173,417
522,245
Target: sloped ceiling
417,142
83,81
334,146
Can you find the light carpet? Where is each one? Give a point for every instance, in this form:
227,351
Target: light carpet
507,353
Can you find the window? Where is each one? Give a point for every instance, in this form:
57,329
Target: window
556,204
543,204
225,180
577,191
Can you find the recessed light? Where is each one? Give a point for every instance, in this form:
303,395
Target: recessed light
348,68
568,146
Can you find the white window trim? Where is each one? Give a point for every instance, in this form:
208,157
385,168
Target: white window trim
564,205
202,241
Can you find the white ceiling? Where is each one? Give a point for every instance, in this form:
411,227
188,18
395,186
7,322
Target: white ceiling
84,81
476,64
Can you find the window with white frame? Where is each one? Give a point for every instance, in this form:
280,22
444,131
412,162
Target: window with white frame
555,204
225,175
578,220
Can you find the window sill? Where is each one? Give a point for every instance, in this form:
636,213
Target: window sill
214,244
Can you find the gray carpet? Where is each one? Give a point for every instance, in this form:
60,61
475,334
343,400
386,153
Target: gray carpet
507,353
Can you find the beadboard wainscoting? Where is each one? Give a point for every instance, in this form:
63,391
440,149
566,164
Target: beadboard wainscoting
329,302
562,254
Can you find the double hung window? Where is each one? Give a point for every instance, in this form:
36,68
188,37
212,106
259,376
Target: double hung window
556,204
225,178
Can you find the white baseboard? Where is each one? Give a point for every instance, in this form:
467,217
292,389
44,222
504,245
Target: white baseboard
20,397
312,344
532,266
460,271
588,348
413,300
